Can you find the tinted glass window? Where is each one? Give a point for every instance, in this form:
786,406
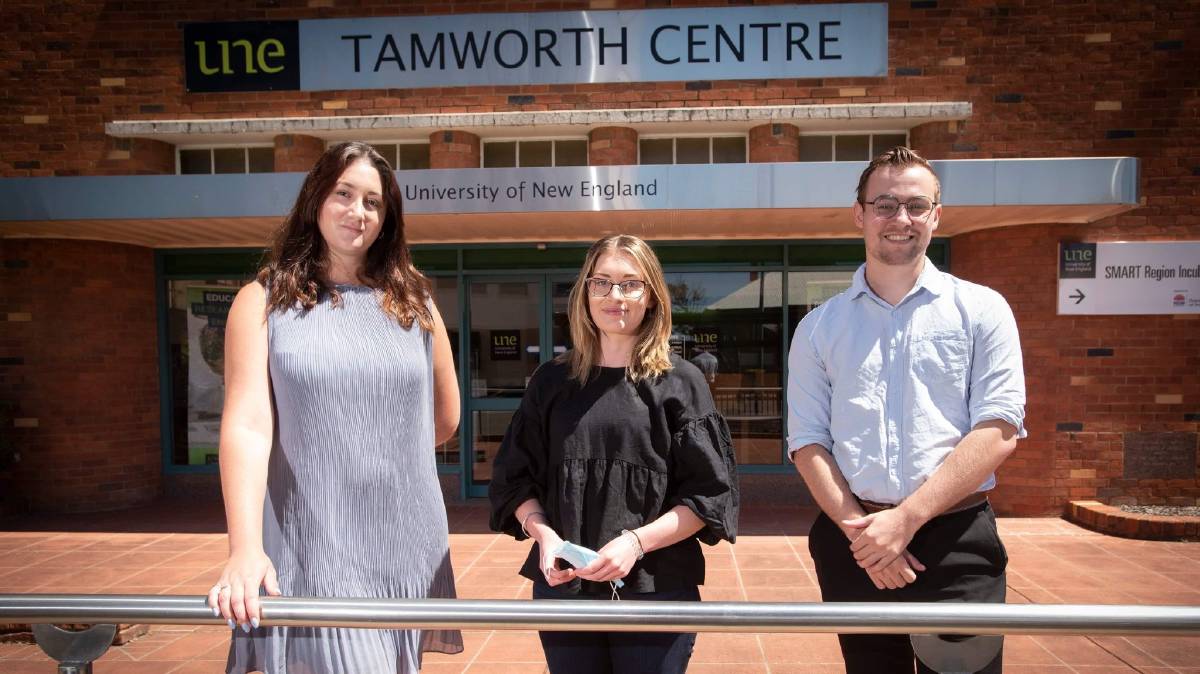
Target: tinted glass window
193,162
500,155
656,151
229,160
729,150
816,148
691,150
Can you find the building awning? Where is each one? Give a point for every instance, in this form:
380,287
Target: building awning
841,117
718,201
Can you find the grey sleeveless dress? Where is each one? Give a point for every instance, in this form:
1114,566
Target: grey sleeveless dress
353,506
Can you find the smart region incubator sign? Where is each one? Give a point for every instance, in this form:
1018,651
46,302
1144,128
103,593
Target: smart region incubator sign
1129,278
783,41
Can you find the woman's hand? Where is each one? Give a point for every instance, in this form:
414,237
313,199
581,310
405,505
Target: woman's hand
616,559
536,524
548,540
235,596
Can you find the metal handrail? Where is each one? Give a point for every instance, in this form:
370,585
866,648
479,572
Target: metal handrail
624,616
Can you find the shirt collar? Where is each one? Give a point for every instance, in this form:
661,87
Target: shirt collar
931,279
858,286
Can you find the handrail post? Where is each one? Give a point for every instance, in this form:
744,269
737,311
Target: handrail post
953,653
74,650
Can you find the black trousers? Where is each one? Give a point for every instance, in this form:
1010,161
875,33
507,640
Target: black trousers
964,560
618,652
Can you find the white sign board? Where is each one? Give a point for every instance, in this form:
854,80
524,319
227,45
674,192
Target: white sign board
702,43
1129,278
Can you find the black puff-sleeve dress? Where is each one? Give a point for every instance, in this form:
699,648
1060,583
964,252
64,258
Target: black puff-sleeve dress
615,455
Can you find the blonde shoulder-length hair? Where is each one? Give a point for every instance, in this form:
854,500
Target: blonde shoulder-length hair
652,351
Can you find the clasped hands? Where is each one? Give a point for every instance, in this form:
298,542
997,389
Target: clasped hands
879,542
615,560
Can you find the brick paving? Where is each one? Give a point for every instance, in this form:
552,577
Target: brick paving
177,548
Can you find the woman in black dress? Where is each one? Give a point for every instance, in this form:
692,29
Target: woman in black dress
617,447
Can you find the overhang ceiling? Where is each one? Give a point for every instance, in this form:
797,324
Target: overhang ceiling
809,223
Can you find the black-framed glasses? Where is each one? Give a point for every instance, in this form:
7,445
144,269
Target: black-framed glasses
918,208
601,287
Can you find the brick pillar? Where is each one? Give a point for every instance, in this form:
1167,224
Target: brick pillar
613,146
152,156
137,156
775,143
453,149
296,153
79,395
940,140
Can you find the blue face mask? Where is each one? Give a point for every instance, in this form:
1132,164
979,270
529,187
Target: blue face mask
578,556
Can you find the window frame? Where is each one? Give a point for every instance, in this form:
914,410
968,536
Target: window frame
675,146
496,260
393,161
872,151
212,163
554,140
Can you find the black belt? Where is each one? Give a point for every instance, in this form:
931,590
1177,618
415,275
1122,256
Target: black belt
970,501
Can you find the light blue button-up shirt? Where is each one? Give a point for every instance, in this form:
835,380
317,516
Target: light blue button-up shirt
891,390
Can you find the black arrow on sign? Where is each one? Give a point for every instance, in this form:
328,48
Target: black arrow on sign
1078,296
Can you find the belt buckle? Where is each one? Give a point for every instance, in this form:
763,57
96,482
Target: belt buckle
970,501
874,507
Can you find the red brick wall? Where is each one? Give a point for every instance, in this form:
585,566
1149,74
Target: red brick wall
1154,359
775,142
1044,78
612,146
79,369
454,150
294,152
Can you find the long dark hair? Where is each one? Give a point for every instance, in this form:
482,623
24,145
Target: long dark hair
295,269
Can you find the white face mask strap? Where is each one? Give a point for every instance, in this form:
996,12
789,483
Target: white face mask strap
614,596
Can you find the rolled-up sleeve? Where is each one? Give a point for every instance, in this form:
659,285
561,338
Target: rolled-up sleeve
809,392
518,472
704,476
997,370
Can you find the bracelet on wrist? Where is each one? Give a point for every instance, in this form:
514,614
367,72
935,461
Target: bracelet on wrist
637,542
525,520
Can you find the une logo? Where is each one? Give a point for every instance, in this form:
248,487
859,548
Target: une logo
1078,254
504,340
252,57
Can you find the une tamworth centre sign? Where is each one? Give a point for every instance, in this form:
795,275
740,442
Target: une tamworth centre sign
782,41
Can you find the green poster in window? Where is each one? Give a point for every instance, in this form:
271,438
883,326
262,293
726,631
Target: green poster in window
207,311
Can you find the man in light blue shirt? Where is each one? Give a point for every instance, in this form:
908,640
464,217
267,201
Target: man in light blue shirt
905,393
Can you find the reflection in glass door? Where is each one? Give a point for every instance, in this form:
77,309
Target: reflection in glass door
728,325
505,347
445,295
560,326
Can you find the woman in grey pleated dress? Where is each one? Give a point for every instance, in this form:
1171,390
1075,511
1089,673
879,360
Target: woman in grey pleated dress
339,382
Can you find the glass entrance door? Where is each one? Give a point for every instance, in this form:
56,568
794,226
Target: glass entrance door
506,319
